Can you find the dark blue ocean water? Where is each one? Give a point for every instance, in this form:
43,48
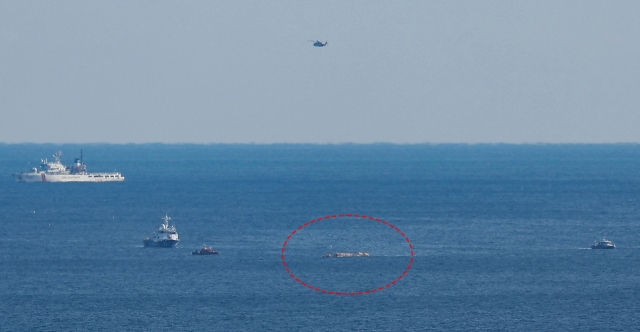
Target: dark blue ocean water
500,235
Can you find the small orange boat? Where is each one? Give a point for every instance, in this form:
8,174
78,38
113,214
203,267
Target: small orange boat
205,251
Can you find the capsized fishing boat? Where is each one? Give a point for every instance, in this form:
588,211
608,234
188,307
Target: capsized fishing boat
347,254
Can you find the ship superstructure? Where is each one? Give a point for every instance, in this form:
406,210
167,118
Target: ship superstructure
55,171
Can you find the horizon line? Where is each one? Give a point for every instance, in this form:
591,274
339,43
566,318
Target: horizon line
323,144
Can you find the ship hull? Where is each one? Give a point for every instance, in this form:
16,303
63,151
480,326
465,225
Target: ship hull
160,244
44,177
603,247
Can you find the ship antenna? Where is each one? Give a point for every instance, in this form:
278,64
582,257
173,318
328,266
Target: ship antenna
80,156
57,155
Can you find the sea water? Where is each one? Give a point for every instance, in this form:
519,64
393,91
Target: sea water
500,234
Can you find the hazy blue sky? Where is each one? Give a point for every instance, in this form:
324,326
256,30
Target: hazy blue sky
394,71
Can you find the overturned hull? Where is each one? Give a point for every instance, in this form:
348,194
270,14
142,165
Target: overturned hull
347,254
205,252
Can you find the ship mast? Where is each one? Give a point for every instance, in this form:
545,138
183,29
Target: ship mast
57,156
166,220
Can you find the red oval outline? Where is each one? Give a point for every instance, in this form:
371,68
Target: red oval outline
355,216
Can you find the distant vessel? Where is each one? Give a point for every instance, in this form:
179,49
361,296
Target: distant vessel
205,251
347,254
165,236
603,244
55,171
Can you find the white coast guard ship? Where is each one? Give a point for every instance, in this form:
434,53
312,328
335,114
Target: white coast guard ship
55,171
165,236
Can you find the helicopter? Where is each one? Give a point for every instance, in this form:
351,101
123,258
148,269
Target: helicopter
318,43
